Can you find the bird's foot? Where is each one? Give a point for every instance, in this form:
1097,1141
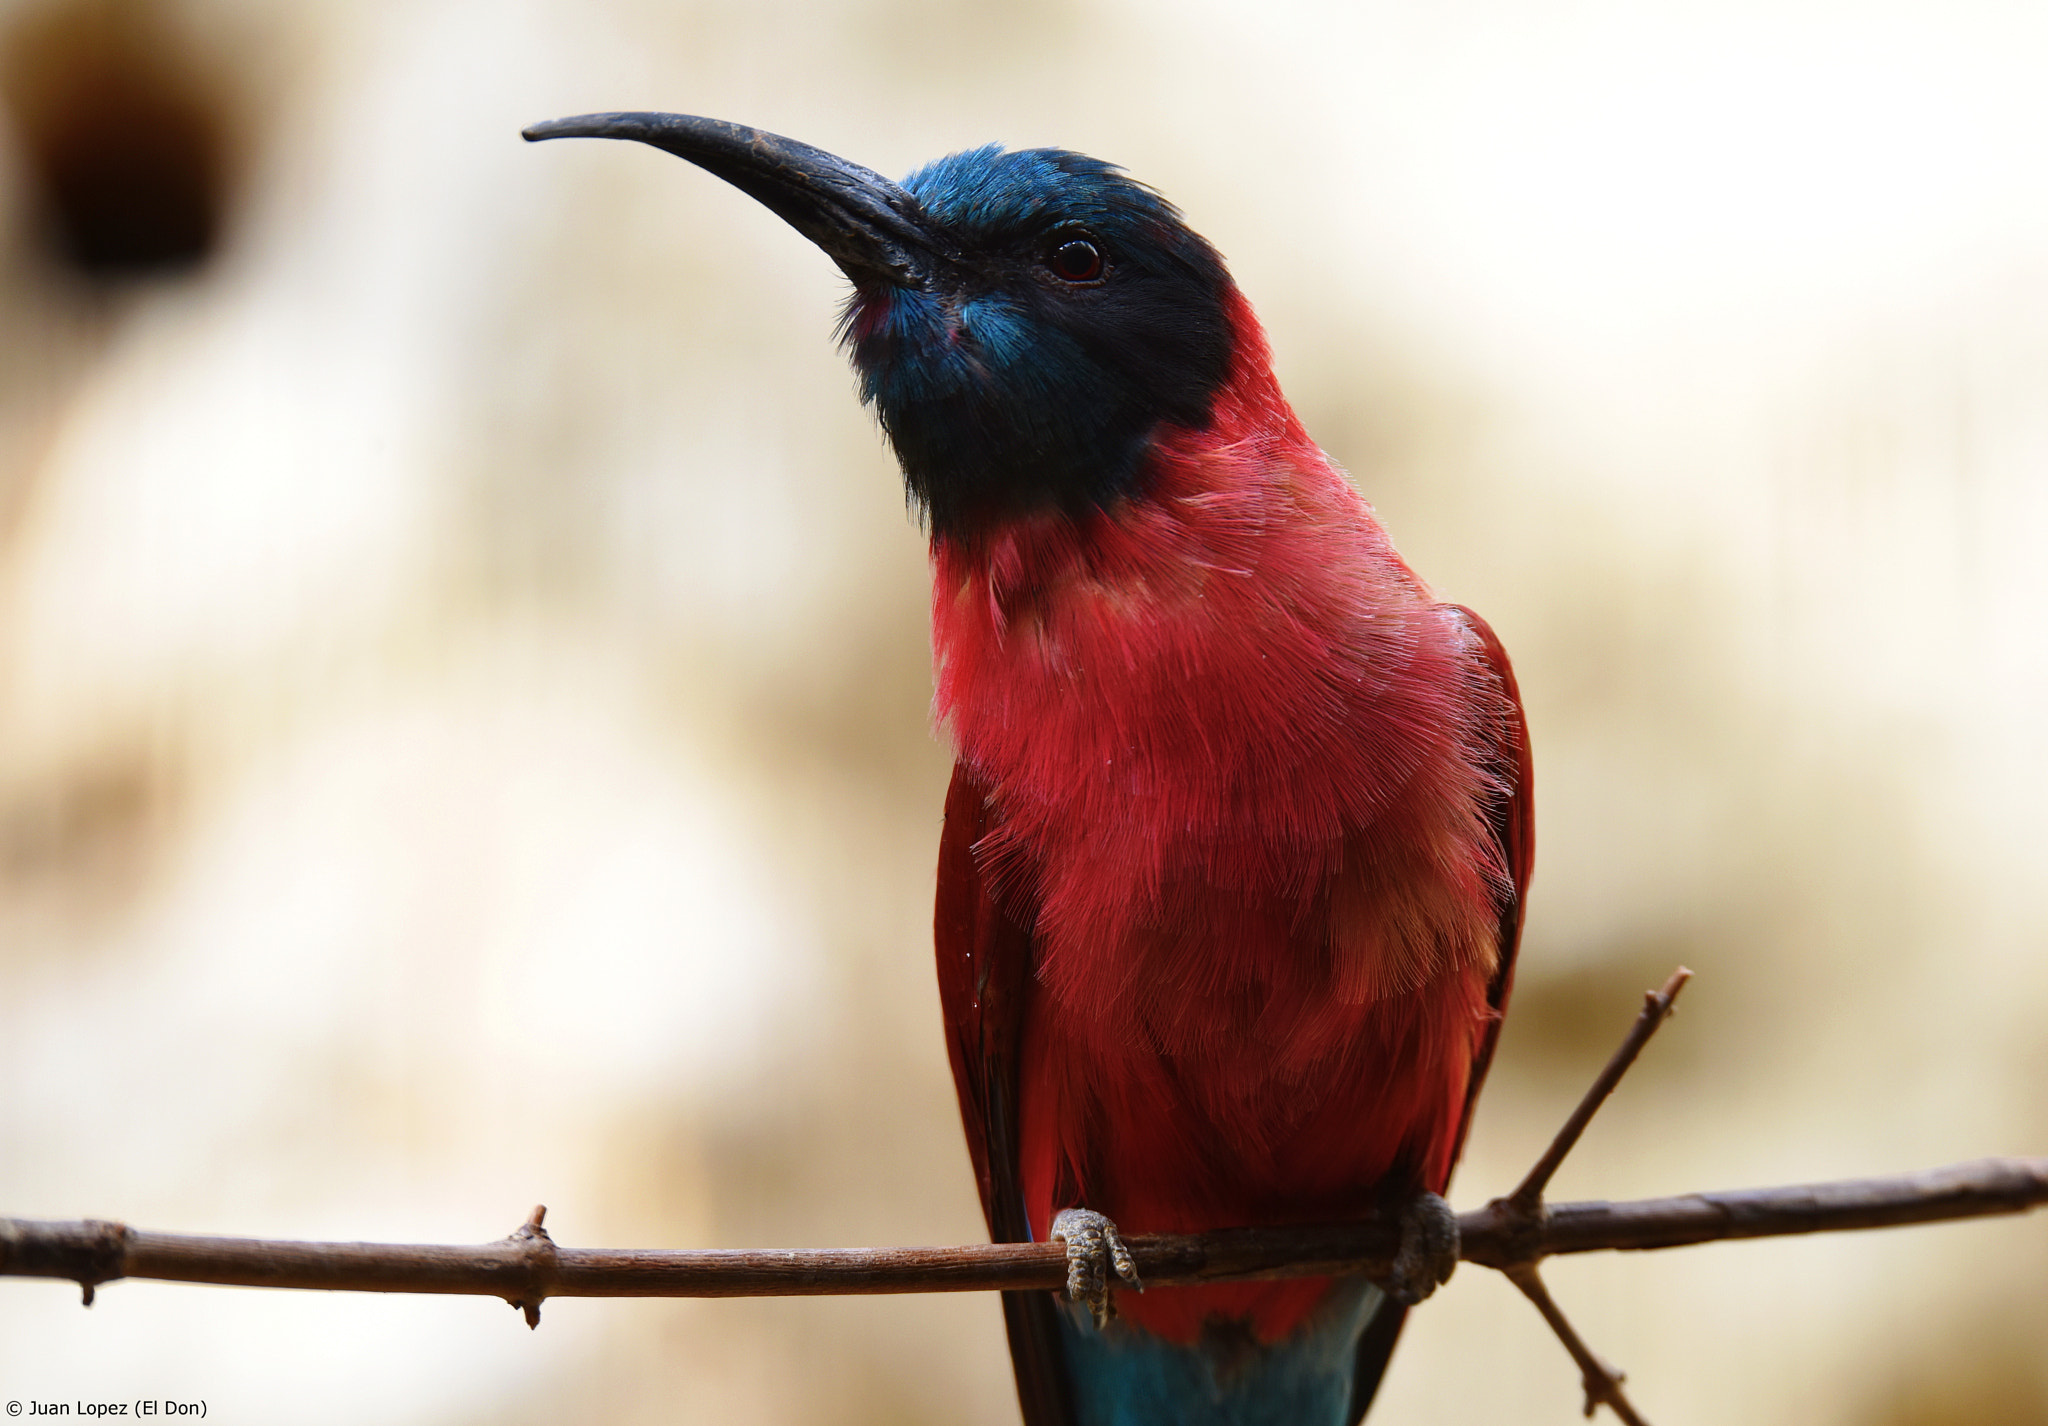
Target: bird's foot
1428,1251
1093,1248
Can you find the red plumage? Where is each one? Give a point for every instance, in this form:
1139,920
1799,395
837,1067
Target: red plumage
1234,854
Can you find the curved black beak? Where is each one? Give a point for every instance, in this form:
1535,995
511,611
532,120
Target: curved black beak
865,223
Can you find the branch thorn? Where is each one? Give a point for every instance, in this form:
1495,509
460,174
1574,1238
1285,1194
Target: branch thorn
538,1249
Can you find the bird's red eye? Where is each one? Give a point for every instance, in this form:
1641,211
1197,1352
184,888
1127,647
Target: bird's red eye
1075,260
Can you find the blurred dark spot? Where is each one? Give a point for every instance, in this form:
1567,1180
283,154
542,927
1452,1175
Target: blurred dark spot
124,143
88,829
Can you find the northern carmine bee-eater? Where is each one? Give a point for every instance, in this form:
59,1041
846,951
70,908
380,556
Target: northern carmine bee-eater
1239,830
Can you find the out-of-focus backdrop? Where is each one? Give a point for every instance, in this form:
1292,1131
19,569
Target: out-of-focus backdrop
463,677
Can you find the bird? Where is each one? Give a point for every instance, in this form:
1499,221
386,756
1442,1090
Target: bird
1235,853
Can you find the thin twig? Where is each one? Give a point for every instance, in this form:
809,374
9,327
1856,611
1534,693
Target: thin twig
1656,1009
1525,1218
1602,1382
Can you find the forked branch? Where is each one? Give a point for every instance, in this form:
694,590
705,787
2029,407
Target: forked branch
1512,1234
1524,1209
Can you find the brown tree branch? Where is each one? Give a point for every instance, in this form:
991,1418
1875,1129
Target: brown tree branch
528,1265
1513,1234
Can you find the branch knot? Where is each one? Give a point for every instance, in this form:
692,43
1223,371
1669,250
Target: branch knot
97,1253
538,1255
1508,1233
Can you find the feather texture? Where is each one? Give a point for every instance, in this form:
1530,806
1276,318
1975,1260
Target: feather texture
1244,812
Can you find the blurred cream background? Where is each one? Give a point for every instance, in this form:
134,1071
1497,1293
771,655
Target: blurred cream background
463,683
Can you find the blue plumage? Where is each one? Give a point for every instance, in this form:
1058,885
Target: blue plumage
1125,1376
987,194
1010,383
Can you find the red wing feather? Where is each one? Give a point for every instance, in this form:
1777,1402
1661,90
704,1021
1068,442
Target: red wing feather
1513,823
985,967
1513,820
